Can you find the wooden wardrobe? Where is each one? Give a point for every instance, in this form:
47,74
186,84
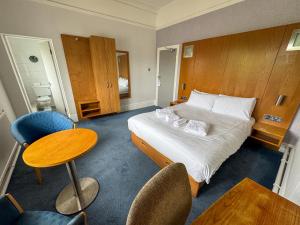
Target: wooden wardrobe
93,74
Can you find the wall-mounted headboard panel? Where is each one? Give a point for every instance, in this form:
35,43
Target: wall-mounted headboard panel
250,64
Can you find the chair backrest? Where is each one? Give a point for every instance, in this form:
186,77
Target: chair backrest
164,200
31,127
9,213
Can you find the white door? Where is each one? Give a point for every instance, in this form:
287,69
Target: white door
166,76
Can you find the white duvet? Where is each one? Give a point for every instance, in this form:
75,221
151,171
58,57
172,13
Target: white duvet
202,156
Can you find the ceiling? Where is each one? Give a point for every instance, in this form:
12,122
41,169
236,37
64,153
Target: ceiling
153,14
154,5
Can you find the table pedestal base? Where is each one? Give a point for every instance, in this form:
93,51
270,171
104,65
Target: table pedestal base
68,203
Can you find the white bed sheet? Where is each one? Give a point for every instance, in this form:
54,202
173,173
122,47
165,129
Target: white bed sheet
202,156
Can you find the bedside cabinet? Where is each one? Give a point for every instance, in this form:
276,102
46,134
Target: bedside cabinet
176,102
268,135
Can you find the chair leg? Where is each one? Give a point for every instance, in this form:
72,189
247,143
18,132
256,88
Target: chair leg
38,175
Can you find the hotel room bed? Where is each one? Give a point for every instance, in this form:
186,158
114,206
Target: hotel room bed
202,156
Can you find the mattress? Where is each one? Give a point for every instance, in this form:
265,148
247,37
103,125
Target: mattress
202,156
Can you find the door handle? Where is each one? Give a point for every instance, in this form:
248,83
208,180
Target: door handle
107,84
110,85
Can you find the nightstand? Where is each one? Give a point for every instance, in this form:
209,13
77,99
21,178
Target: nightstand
176,102
269,135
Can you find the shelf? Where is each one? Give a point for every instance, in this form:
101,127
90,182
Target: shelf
269,135
269,129
92,114
89,109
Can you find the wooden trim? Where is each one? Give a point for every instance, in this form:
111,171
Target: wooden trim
162,160
15,203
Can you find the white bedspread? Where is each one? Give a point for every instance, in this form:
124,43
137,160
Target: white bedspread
202,156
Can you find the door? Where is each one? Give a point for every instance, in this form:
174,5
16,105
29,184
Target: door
37,74
103,55
166,76
112,74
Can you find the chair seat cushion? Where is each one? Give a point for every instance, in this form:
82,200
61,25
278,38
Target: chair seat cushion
42,218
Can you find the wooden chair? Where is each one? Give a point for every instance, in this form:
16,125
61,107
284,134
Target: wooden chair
31,127
165,199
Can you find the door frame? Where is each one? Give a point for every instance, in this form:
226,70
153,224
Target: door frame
17,74
177,70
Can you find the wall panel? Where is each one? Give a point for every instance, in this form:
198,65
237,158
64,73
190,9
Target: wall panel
251,64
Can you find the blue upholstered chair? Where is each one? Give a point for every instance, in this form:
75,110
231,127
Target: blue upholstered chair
11,213
31,127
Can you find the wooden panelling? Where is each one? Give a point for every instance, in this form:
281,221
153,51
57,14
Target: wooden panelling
250,64
250,60
284,80
186,74
78,57
210,60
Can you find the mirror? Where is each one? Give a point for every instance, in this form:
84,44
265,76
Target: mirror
123,73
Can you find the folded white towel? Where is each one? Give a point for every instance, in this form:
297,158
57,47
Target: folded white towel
196,127
180,122
171,117
161,113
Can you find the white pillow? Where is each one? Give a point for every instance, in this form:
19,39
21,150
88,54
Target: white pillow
202,100
238,107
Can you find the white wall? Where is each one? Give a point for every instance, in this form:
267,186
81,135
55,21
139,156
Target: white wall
34,19
5,104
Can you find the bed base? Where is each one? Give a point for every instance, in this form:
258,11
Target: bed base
162,160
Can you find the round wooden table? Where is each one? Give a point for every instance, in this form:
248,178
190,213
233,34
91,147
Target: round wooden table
64,147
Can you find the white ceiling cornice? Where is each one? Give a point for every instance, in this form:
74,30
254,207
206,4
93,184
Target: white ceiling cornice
151,14
139,5
178,11
127,13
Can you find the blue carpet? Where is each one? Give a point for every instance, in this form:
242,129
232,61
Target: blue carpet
122,170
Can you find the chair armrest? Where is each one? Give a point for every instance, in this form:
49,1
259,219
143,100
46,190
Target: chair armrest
79,219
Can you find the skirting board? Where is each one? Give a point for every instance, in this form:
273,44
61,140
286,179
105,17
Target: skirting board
137,105
9,168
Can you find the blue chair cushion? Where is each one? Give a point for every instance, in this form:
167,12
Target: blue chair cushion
8,212
42,218
31,127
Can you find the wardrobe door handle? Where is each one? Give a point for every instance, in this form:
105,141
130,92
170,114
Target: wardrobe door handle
110,85
107,84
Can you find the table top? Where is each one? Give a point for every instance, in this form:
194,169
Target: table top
60,147
250,203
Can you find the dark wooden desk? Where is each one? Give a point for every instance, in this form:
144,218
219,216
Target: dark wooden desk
249,203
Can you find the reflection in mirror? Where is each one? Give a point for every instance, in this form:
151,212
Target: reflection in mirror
123,73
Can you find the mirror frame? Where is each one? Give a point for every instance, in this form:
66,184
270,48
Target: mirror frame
126,95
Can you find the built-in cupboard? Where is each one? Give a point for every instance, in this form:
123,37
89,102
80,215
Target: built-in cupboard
92,66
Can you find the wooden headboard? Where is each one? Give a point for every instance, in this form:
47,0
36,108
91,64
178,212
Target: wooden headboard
250,64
